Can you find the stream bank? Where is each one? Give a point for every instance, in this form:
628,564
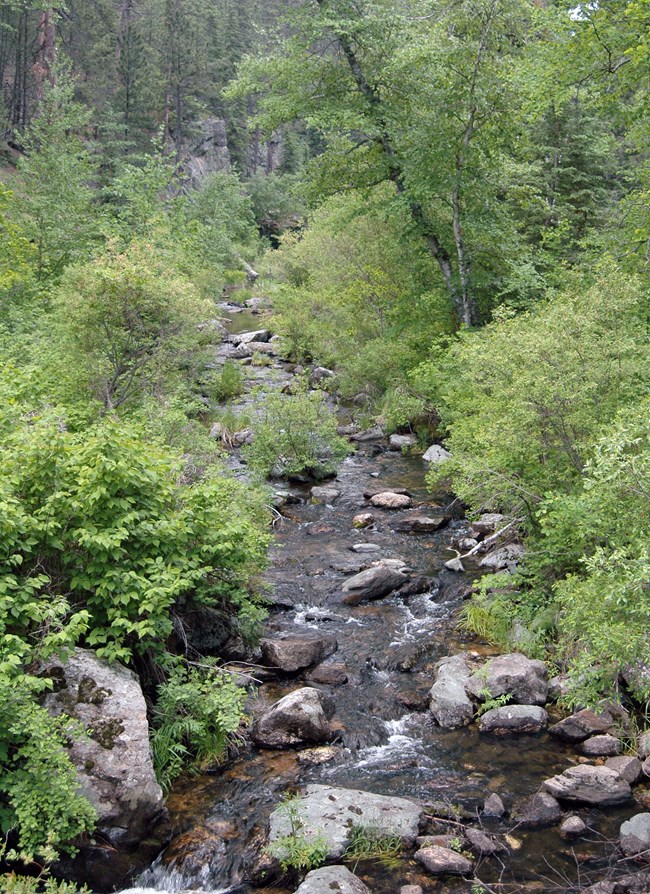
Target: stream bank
385,740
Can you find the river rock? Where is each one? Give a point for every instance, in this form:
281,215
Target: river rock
537,811
449,702
444,861
483,845
298,717
418,523
330,813
645,767
643,749
488,523
363,520
513,719
401,442
572,826
583,724
330,879
325,494
320,374
493,806
294,653
410,889
369,434
365,548
329,675
114,768
390,500
558,687
245,338
601,746
524,679
436,454
628,768
371,492
587,784
506,558
635,835
632,883
373,583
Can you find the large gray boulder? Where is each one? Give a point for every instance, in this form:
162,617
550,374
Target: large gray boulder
587,784
449,702
601,746
295,719
294,653
373,583
635,836
436,454
114,768
390,500
245,338
331,879
330,814
525,680
513,719
506,558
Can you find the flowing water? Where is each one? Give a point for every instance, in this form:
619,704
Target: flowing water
387,742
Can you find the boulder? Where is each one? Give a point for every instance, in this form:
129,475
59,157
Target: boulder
330,813
418,523
373,583
449,702
245,338
635,836
537,811
390,500
587,784
332,878
506,558
601,746
488,523
643,749
114,768
645,767
493,806
329,675
363,520
558,687
572,826
401,442
325,494
513,719
321,374
216,431
436,454
583,724
628,768
632,883
524,679
369,434
294,653
444,861
298,717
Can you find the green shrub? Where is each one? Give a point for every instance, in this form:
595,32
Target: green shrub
296,850
295,434
228,383
197,714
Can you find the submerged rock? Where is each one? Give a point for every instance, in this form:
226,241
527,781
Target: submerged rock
525,680
331,813
449,702
587,784
297,718
114,768
331,879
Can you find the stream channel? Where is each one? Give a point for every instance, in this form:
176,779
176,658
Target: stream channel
387,741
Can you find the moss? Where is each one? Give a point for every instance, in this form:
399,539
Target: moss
105,732
90,693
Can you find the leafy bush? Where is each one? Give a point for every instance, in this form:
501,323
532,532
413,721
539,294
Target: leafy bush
295,434
228,383
197,714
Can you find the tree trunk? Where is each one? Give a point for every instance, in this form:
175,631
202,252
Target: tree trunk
45,55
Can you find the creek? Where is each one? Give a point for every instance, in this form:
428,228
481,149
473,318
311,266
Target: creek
387,741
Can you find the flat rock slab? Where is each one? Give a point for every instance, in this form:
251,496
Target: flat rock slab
444,861
514,719
418,523
293,653
332,880
331,813
525,680
587,784
390,500
373,583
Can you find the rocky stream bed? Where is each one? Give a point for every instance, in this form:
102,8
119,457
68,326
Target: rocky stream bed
363,612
